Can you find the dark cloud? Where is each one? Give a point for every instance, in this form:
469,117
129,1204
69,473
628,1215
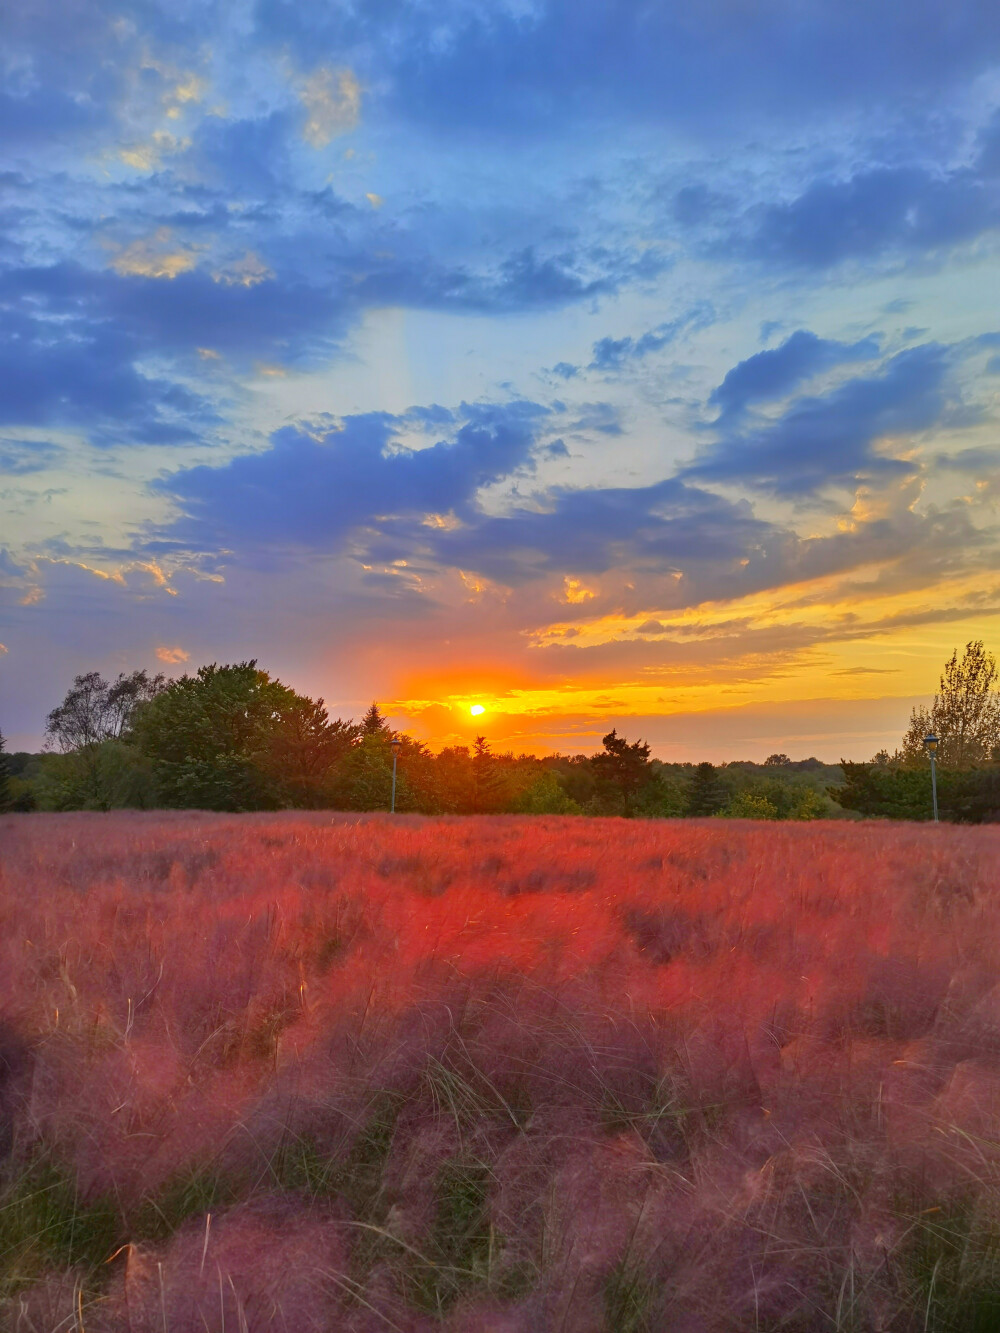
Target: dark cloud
74,371
832,439
508,69
880,210
772,374
982,461
664,529
312,490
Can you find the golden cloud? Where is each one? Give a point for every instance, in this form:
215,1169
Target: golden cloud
147,156
173,656
245,272
574,591
154,256
332,101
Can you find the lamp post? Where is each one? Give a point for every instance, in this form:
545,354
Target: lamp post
930,745
396,743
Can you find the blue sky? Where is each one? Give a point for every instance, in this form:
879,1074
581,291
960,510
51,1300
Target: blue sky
604,363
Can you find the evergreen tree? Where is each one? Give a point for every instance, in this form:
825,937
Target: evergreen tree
706,793
373,723
488,788
623,770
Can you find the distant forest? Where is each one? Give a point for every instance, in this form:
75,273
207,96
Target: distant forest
234,738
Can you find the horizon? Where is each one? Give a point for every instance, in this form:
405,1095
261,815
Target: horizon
598,365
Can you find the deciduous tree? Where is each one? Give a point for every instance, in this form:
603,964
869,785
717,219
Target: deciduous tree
95,710
965,714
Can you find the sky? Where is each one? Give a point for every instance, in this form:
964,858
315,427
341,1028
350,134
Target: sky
599,362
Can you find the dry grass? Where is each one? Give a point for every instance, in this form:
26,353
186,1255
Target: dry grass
302,1072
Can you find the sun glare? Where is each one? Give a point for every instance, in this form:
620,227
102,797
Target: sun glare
476,710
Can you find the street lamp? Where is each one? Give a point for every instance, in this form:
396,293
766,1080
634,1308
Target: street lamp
930,745
396,743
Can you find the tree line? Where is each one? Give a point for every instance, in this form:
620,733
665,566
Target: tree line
234,738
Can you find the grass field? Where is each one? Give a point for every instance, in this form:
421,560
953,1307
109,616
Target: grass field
306,1072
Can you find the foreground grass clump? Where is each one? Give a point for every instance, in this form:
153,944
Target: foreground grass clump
303,1072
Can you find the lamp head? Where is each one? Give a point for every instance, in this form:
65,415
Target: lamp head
395,743
930,742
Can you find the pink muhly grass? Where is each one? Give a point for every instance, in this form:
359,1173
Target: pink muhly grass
498,1073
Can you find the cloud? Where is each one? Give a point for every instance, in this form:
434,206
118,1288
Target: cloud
663,529
332,102
172,656
981,461
312,489
867,671
612,354
774,373
20,457
878,210
832,439
507,68
154,256
150,154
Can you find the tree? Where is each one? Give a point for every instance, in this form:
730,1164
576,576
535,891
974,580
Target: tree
373,723
231,738
304,748
706,794
965,714
94,710
545,796
747,804
489,793
99,769
363,779
112,775
5,796
777,761
622,769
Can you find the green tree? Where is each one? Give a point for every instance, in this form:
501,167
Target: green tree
622,771
91,728
111,775
231,738
965,714
663,795
373,723
303,750
95,710
364,777
706,793
544,796
490,793
747,804
5,791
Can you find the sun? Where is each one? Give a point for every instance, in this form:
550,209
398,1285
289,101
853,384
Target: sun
476,710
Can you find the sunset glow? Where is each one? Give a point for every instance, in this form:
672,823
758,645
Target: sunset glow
656,392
